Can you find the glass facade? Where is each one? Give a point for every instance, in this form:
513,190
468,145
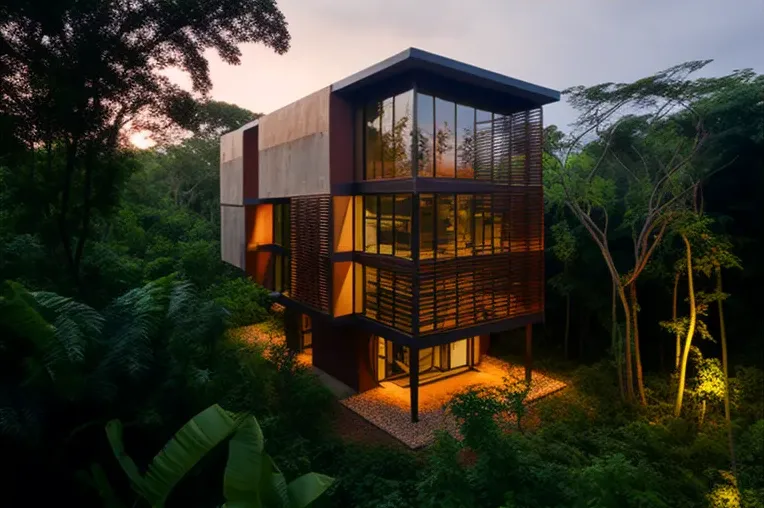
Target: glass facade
387,224
474,264
388,137
459,225
449,138
388,297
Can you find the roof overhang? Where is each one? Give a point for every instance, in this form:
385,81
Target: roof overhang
453,77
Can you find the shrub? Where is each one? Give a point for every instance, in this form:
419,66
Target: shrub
246,302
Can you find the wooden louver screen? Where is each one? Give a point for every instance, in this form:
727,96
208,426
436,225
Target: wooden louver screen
509,282
310,267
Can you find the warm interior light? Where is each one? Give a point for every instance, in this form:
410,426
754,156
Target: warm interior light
343,288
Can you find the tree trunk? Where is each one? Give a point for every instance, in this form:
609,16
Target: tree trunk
614,343
635,334
627,344
723,335
674,317
690,329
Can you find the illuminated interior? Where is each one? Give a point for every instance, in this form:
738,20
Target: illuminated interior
393,361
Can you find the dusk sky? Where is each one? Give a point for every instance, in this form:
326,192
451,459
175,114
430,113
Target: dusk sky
554,44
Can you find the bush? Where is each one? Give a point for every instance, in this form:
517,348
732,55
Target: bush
246,302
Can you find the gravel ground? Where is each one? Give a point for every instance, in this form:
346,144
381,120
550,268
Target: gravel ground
388,407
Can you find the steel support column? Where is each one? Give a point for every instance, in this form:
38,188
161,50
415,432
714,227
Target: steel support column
414,381
528,351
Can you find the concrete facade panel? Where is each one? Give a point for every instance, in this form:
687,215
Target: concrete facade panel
232,235
232,182
309,115
296,168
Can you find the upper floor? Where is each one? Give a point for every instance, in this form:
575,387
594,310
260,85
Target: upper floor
416,122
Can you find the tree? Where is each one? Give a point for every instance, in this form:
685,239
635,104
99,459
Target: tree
75,75
638,120
190,168
564,249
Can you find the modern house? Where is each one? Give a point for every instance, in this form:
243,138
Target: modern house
398,216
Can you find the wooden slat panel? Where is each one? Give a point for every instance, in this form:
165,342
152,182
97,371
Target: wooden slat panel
310,266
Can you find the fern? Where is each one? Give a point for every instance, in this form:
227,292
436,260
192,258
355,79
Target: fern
75,325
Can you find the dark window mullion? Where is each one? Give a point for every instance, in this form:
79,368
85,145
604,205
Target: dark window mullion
474,144
435,261
394,233
379,222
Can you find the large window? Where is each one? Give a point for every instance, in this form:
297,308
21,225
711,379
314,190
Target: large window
452,140
387,140
459,225
445,149
387,224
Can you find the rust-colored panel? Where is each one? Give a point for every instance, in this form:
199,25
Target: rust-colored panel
309,115
341,150
343,353
263,269
342,288
485,344
342,217
250,154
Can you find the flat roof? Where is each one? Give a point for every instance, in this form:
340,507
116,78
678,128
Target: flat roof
413,60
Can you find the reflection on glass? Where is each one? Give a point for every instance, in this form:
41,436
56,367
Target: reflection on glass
446,226
370,207
426,221
403,225
483,145
404,104
425,142
464,224
373,141
386,224
388,163
465,141
445,153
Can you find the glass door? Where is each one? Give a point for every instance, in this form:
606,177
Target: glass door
458,352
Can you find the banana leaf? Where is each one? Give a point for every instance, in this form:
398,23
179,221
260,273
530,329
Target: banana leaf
251,480
245,465
194,440
307,488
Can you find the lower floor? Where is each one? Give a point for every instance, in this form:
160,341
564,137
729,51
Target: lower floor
364,361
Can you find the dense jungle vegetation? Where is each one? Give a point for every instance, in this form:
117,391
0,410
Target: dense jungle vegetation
115,306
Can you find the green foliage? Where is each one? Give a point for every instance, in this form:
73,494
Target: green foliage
251,478
246,302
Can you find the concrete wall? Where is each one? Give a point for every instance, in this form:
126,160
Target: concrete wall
295,168
231,168
294,149
232,235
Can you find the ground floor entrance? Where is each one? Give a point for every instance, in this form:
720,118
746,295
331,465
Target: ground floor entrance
394,362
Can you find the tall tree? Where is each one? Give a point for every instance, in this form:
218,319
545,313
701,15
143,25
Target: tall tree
648,162
74,74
